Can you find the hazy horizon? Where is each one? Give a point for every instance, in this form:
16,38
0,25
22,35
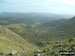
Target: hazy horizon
38,6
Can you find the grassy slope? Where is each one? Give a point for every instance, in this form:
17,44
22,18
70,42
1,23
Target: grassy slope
64,29
11,41
44,35
32,34
67,45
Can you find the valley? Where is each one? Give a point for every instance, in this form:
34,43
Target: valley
26,34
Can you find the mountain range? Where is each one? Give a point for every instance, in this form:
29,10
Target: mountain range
28,32
28,18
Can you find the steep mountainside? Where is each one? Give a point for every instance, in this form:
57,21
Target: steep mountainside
11,41
61,22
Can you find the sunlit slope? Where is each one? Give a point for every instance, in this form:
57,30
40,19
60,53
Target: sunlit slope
11,41
27,32
55,48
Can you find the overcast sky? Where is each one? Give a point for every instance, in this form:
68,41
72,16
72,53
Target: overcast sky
45,6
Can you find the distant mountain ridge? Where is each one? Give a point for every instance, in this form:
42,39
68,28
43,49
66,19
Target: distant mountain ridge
28,18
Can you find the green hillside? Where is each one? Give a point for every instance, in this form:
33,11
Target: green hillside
55,48
32,34
41,36
11,41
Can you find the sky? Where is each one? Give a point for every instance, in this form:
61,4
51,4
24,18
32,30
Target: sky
40,6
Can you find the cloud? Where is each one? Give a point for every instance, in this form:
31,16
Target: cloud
55,6
69,2
42,3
